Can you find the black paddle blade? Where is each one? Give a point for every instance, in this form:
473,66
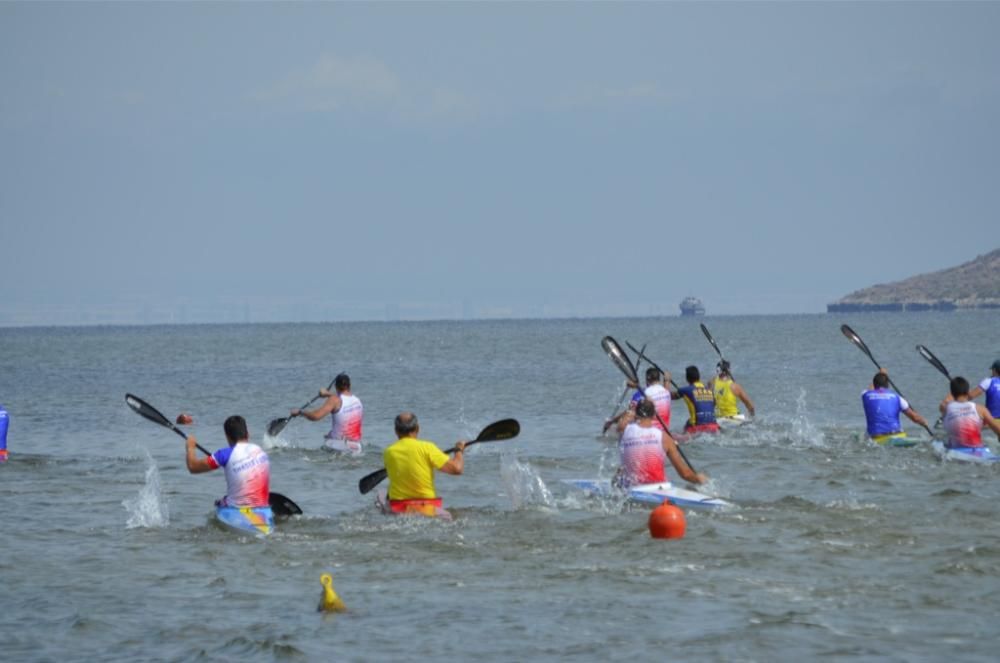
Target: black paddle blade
619,357
708,335
499,430
277,425
144,409
856,340
371,480
282,506
934,361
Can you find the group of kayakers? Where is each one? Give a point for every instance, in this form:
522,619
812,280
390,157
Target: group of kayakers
645,443
962,418
410,462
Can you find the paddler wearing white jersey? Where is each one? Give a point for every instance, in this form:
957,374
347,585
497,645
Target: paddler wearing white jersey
346,416
654,391
248,470
643,447
964,419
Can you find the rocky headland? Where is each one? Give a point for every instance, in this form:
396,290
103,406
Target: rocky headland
972,285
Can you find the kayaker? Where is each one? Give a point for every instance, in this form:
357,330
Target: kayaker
248,470
643,447
4,424
726,391
964,419
411,462
346,416
882,408
991,387
654,391
700,403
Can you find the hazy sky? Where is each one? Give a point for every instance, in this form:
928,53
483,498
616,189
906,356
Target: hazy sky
357,160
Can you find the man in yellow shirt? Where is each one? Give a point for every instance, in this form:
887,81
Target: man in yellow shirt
411,462
726,392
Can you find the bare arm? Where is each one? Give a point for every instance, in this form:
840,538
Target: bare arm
988,420
915,417
457,462
741,394
624,419
330,405
196,465
975,393
677,460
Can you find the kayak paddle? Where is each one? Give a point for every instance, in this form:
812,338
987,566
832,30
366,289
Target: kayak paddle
650,362
611,419
504,429
621,360
708,335
278,425
936,363
856,340
280,505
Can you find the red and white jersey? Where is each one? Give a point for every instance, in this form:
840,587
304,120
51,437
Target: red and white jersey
345,423
640,451
248,474
963,424
660,396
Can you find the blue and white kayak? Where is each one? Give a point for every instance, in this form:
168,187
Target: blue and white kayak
258,521
965,454
650,493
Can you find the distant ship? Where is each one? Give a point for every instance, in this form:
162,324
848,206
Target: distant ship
692,306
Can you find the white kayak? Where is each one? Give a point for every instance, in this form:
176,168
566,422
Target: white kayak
650,493
732,422
965,454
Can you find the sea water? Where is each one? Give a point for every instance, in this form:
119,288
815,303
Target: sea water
836,547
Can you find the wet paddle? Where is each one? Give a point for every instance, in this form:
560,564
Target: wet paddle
936,363
708,335
280,505
856,340
614,415
278,425
504,429
621,360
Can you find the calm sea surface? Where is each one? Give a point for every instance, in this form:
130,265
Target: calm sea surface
835,548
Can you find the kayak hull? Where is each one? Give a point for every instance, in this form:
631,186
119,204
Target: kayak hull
654,493
732,422
894,440
967,454
258,521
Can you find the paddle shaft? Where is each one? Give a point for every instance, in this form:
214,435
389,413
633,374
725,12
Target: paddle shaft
614,413
278,425
708,335
651,363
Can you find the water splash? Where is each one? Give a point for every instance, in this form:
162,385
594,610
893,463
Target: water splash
523,484
803,431
148,508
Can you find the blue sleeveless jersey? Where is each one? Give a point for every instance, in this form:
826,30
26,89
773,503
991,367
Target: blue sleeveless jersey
4,422
882,408
992,391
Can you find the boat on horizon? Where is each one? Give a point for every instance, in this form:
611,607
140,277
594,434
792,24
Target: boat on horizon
692,306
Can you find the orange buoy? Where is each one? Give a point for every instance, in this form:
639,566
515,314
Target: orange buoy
667,522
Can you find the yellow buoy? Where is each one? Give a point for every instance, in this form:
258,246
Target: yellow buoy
329,601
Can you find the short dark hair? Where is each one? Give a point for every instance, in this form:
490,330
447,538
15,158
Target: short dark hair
653,375
691,374
342,382
880,381
406,424
645,409
959,387
236,428
723,367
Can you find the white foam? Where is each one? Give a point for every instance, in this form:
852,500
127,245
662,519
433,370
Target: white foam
148,508
522,483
